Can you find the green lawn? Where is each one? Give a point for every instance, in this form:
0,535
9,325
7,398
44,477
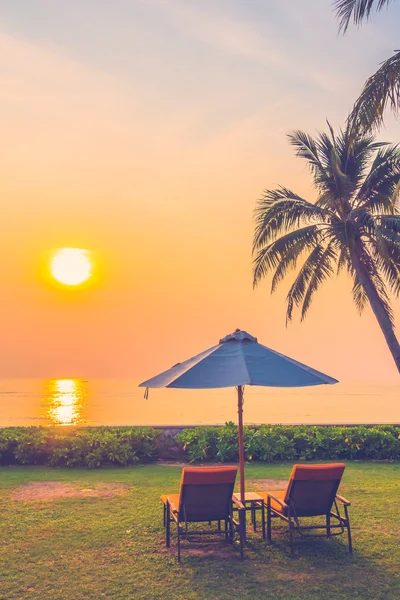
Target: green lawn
113,547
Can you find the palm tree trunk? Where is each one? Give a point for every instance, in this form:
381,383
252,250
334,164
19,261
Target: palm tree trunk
378,308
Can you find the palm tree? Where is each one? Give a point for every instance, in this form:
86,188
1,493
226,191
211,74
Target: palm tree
358,10
383,87
353,225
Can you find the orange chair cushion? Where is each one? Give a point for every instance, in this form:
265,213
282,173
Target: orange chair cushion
305,473
200,476
279,494
317,472
204,475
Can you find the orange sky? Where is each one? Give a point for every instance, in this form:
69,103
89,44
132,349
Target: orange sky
146,135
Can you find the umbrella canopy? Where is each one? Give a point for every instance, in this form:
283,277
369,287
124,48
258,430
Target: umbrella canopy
238,360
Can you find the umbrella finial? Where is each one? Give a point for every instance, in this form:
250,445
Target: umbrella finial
239,335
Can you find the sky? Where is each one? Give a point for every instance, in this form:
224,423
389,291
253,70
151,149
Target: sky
145,131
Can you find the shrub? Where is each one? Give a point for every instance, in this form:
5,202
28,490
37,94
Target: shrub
93,447
200,443
89,447
292,442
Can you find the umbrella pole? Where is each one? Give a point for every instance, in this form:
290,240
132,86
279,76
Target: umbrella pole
241,457
241,444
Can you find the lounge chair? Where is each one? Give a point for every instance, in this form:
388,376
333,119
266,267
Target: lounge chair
310,492
205,496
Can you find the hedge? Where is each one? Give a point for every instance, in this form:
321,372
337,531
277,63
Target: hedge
94,447
292,442
89,447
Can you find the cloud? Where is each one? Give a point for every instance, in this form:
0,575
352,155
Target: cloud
43,74
245,40
66,120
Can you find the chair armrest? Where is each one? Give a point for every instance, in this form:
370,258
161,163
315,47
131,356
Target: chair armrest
241,524
238,503
170,505
343,500
278,500
173,512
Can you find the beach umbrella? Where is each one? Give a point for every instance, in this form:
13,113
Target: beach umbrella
236,361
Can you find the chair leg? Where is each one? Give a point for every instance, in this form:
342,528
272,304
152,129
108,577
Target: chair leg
241,546
231,531
167,526
348,530
263,520
269,523
242,530
290,532
328,524
179,541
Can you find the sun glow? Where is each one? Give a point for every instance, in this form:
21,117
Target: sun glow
66,401
71,266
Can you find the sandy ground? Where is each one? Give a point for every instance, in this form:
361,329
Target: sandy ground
53,490
266,485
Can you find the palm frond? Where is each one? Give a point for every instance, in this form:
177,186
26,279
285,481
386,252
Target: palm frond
359,296
356,10
289,257
280,210
390,223
323,269
387,258
286,248
365,223
378,226
325,145
337,188
380,189
356,154
287,262
343,185
343,259
320,154
299,286
391,272
325,200
379,90
395,208
307,148
372,270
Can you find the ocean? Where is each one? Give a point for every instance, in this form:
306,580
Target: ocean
121,402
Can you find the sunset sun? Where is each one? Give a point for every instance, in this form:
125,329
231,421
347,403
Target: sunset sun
71,266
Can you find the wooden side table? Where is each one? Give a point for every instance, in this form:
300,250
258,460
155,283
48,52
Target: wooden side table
253,503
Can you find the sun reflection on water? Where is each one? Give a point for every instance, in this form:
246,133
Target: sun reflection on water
66,401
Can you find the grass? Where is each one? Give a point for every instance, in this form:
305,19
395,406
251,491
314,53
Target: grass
93,548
